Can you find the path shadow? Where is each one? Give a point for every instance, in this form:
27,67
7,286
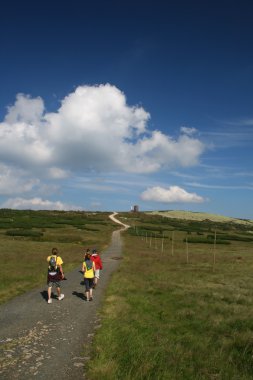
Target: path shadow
78,294
44,295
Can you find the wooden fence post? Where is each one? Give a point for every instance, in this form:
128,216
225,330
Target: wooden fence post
172,243
187,250
214,250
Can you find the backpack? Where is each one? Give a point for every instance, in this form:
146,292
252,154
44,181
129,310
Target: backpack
52,263
89,264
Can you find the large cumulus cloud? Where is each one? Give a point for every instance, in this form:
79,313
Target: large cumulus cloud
93,129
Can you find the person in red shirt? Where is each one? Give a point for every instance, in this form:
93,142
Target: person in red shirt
95,257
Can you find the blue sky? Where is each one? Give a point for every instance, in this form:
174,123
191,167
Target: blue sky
108,104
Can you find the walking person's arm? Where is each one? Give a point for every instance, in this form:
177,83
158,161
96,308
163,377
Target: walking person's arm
61,271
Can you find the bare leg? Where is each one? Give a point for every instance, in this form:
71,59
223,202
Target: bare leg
58,291
49,291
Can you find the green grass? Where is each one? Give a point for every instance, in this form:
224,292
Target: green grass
23,250
173,310
166,319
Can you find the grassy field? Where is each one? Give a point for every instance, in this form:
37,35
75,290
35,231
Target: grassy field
178,310
179,307
199,216
27,238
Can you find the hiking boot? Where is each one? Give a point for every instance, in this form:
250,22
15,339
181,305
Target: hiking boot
91,298
87,300
50,300
61,297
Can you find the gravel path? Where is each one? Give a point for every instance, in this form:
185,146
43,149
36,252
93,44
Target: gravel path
42,341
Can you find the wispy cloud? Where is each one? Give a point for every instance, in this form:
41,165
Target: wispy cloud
226,134
228,187
37,204
241,122
244,174
14,180
184,175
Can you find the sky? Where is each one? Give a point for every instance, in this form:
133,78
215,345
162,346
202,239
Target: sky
109,104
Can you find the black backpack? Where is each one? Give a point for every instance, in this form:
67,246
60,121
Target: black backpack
52,263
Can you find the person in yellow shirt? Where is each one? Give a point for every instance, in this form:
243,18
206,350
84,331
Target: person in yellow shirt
88,269
55,274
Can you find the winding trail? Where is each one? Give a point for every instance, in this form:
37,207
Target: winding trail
112,217
41,341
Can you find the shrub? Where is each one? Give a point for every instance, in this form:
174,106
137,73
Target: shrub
205,240
26,233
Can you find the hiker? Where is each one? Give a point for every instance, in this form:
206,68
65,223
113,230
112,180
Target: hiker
95,257
55,274
86,253
88,270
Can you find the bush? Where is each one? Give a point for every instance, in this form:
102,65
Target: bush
205,240
26,233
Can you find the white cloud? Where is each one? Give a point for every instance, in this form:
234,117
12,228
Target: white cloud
94,129
23,145
188,131
58,173
25,110
37,204
160,150
15,181
170,195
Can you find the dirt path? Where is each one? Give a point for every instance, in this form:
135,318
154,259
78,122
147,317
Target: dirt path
42,341
112,217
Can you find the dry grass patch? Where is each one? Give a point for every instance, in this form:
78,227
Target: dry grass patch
188,215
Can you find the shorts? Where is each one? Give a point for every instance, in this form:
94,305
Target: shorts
56,283
88,282
97,272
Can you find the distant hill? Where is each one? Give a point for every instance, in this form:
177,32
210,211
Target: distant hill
189,215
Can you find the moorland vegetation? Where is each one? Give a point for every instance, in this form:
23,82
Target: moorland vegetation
179,306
